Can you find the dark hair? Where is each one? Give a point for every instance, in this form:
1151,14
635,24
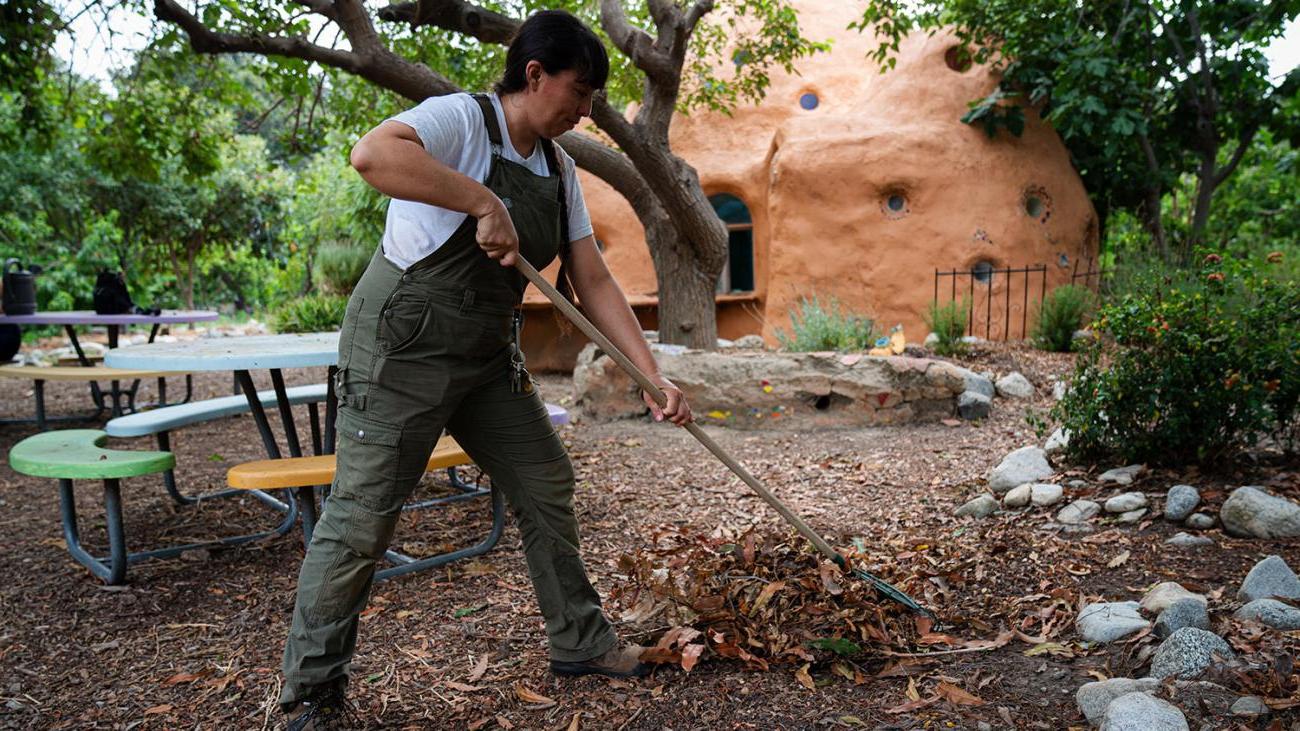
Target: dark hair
559,42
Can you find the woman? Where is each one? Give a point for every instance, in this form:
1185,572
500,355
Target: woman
428,343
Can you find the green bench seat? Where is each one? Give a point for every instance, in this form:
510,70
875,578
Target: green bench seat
80,454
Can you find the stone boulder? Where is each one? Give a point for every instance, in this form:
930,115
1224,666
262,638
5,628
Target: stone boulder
978,507
1142,712
1160,596
1027,464
972,406
750,388
1093,698
1014,385
1122,475
1185,612
1249,512
1188,653
1269,578
978,383
1180,502
1270,613
1079,511
1057,443
1109,621
1126,502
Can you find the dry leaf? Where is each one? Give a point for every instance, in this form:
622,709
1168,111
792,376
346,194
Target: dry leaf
480,668
184,678
765,596
804,678
475,726
912,693
690,656
462,687
529,696
1118,560
956,695
573,725
504,723
156,710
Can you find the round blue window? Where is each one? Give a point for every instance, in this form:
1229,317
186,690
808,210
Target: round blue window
808,101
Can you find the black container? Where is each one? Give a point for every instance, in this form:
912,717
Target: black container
11,339
19,288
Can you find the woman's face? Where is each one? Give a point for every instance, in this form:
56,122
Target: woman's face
556,102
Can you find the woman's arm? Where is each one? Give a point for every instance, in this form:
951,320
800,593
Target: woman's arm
391,158
604,303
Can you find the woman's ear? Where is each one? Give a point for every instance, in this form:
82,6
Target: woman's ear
533,74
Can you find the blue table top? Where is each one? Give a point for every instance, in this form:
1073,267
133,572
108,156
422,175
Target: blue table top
90,317
248,352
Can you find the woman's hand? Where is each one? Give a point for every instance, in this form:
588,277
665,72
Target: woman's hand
677,410
496,234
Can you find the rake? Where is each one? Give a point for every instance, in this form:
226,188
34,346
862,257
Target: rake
570,311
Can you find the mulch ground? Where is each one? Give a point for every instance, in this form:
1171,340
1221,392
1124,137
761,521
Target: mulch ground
195,642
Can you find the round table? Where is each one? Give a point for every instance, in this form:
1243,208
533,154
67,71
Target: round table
69,319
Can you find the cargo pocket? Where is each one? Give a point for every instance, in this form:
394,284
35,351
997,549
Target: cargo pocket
369,457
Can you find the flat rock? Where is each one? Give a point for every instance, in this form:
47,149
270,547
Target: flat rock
1188,653
1079,511
1142,712
1199,521
1126,502
1270,578
752,342
1018,497
1043,494
978,507
1131,516
1187,540
1180,502
1093,698
1109,621
972,406
1160,596
1185,612
1249,705
1121,475
1027,464
1059,389
1270,613
1249,512
978,383
1058,442
1014,385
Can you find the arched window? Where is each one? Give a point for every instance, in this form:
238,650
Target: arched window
738,274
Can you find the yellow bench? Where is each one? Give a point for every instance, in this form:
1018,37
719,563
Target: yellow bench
303,473
91,374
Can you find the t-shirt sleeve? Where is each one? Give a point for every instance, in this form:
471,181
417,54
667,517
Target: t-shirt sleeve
579,219
443,124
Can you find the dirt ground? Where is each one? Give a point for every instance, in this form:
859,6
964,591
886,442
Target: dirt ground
195,642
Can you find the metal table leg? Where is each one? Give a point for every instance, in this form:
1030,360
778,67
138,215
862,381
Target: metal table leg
306,495
95,394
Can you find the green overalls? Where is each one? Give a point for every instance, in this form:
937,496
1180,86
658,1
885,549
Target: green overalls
429,348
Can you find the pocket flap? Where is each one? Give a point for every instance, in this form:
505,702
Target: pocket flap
366,430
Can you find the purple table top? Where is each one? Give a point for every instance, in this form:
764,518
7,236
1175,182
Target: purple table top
89,317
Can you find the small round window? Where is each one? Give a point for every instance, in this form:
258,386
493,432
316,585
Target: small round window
982,271
1036,203
896,203
1063,260
1034,206
957,58
808,101
893,203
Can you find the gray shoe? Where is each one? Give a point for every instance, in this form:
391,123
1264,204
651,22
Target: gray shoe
623,661
325,709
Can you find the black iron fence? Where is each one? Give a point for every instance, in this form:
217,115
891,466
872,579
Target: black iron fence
991,296
1090,276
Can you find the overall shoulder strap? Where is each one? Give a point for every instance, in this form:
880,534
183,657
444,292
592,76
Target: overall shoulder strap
489,119
553,161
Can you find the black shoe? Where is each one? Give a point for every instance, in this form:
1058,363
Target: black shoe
620,662
325,709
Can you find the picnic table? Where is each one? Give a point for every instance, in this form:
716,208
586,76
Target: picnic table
70,319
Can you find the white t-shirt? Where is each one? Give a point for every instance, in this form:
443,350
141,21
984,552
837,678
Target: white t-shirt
452,130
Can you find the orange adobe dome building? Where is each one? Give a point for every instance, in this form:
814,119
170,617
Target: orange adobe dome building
848,183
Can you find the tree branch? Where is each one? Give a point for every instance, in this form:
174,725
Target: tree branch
455,15
1243,145
635,43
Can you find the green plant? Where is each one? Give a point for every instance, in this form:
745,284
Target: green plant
1062,312
339,265
948,323
313,313
1197,365
816,326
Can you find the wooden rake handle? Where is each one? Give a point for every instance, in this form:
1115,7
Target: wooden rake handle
657,394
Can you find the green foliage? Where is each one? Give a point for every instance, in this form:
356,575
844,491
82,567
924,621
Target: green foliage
948,323
339,266
313,313
816,326
1192,366
1064,311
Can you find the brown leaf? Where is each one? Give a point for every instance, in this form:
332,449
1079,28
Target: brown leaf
475,726
914,705
462,687
956,695
690,656
573,725
184,678
804,678
504,722
529,696
829,572
480,668
157,710
765,596
1118,560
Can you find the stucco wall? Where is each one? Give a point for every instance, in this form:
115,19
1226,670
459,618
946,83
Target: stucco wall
817,183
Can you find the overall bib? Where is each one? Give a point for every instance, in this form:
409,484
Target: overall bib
424,349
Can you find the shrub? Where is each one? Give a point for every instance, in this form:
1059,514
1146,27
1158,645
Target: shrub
1061,313
816,326
339,266
948,323
313,313
1190,369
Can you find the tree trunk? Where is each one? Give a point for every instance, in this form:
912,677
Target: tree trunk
687,309
1201,209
